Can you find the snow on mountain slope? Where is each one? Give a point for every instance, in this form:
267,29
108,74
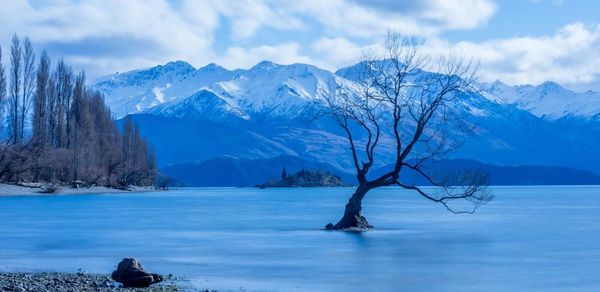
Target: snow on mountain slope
469,103
203,104
282,90
139,90
548,100
278,90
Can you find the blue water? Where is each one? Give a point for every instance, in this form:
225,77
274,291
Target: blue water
527,239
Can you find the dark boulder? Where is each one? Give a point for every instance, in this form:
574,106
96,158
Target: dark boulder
131,274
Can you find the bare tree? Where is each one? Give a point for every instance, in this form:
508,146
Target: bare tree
15,88
28,84
40,108
138,165
51,111
64,96
391,97
14,162
74,136
2,94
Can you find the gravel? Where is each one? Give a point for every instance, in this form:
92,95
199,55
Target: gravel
78,282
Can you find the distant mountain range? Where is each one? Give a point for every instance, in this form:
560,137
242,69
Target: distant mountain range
548,100
229,171
500,175
235,172
194,116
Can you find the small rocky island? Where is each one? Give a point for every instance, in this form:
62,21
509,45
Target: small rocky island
305,179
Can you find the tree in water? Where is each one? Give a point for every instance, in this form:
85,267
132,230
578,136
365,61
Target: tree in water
395,99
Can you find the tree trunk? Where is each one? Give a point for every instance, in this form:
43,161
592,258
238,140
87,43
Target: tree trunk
352,218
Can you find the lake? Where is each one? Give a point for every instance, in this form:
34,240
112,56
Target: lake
542,238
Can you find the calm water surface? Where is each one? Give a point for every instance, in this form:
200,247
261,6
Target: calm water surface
528,239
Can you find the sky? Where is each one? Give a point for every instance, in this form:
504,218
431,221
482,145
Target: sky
515,41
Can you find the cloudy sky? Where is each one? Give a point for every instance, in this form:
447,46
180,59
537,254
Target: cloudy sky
516,41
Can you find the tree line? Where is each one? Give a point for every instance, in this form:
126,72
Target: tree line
55,129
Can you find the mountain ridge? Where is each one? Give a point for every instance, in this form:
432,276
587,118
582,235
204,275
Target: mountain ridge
547,100
526,97
228,171
269,109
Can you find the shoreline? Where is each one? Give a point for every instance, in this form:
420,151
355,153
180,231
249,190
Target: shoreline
58,281
20,190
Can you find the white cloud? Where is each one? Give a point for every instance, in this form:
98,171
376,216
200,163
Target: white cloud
374,17
113,35
571,56
333,53
159,30
247,17
238,57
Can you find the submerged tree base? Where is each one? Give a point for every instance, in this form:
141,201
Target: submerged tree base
351,223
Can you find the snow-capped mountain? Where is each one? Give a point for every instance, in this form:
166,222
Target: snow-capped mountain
193,114
548,100
203,103
139,90
265,88
285,90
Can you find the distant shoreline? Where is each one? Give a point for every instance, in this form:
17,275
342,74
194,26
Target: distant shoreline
18,190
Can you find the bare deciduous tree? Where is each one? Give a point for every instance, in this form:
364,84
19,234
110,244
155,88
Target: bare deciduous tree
15,88
51,111
40,104
28,85
392,97
14,162
2,94
138,166
64,95
74,137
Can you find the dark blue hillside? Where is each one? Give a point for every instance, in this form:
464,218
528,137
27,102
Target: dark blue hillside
503,175
234,172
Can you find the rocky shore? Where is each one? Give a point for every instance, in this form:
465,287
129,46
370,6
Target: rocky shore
21,282
33,189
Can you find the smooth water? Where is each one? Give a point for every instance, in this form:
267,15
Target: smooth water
527,239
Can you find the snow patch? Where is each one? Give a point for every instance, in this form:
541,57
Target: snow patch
159,94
